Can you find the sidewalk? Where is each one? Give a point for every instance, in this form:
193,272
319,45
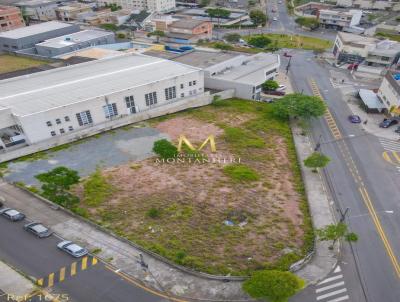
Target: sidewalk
13,284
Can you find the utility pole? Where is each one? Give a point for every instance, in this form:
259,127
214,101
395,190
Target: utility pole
288,65
343,215
318,144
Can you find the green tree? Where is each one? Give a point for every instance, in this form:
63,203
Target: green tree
158,34
164,149
299,105
316,160
232,38
56,183
272,285
311,23
334,232
270,85
259,41
258,17
218,13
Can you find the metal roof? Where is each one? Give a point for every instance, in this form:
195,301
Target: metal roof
75,38
34,29
64,86
370,99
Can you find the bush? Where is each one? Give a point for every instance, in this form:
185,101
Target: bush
232,38
223,46
121,36
311,23
316,160
81,212
96,189
259,41
165,149
240,172
270,85
153,213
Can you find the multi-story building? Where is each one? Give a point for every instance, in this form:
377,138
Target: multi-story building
339,19
370,4
10,18
27,37
41,10
149,5
189,30
72,11
389,92
351,48
68,103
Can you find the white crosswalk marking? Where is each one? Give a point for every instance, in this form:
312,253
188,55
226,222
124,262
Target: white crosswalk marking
332,289
389,145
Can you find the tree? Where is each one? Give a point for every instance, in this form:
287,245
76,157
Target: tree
311,23
259,41
335,232
232,38
218,13
258,17
158,34
270,85
299,105
165,149
56,183
275,286
316,160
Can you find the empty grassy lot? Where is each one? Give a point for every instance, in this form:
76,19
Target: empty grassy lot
10,63
297,41
181,211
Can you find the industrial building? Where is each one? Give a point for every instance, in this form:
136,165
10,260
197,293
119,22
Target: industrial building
98,95
68,43
27,37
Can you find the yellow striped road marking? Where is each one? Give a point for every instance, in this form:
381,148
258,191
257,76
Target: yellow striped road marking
387,157
40,282
84,263
396,156
382,234
73,268
62,274
94,261
51,280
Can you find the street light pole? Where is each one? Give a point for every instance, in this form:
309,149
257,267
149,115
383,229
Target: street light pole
343,215
288,65
318,144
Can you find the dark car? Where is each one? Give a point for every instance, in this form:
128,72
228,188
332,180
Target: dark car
388,122
274,92
287,55
38,229
397,129
355,119
12,214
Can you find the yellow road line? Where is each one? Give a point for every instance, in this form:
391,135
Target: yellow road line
94,261
40,282
73,268
381,232
62,274
386,157
51,280
84,263
396,156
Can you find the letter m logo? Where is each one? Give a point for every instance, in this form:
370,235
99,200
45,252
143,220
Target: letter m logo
184,140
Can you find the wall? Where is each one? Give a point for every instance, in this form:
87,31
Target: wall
241,90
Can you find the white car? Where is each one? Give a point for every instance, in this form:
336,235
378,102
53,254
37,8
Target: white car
274,19
281,88
72,248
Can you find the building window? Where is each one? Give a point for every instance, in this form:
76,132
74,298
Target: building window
48,123
110,110
182,86
170,93
190,83
70,128
58,121
194,83
84,118
66,118
182,95
53,133
62,131
130,104
151,98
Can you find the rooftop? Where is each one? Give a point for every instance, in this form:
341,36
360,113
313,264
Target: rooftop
358,39
64,86
187,23
35,2
204,59
8,9
75,38
33,29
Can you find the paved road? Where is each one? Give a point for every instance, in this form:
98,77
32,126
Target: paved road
357,164
40,257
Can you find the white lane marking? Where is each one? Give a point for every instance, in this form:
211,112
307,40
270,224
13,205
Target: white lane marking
336,292
339,299
118,270
390,145
322,289
389,212
337,269
330,279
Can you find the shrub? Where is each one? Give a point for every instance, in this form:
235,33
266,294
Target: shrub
232,38
316,160
96,189
270,85
81,212
121,36
259,41
165,149
223,46
153,213
240,172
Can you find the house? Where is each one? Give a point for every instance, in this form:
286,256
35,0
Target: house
389,92
147,5
10,18
39,10
189,30
370,4
339,19
106,16
71,12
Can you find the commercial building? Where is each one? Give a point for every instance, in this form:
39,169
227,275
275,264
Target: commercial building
389,92
41,10
149,5
351,48
72,42
83,99
10,18
189,30
370,4
72,11
339,19
27,37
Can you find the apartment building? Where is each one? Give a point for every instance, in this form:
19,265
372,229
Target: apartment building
40,10
10,18
370,4
389,92
149,5
339,19
189,30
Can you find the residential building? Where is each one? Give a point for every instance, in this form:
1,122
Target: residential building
389,92
80,100
71,12
106,16
351,48
40,10
189,30
72,42
160,5
149,5
339,19
10,18
27,37
370,4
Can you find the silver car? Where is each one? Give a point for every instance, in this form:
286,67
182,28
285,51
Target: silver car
38,229
72,248
12,214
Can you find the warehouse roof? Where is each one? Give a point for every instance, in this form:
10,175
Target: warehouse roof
59,87
75,38
187,23
33,29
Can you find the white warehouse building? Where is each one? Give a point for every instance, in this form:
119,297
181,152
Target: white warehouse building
99,94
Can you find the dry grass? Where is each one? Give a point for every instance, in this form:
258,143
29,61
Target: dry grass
10,63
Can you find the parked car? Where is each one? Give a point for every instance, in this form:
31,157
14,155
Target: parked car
355,119
12,214
397,129
274,92
72,248
274,19
281,88
388,122
38,229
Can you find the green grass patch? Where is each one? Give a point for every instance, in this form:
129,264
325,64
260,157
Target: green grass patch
393,37
96,189
297,41
240,172
9,63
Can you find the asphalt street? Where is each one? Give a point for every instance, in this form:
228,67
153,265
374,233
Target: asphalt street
40,257
357,164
